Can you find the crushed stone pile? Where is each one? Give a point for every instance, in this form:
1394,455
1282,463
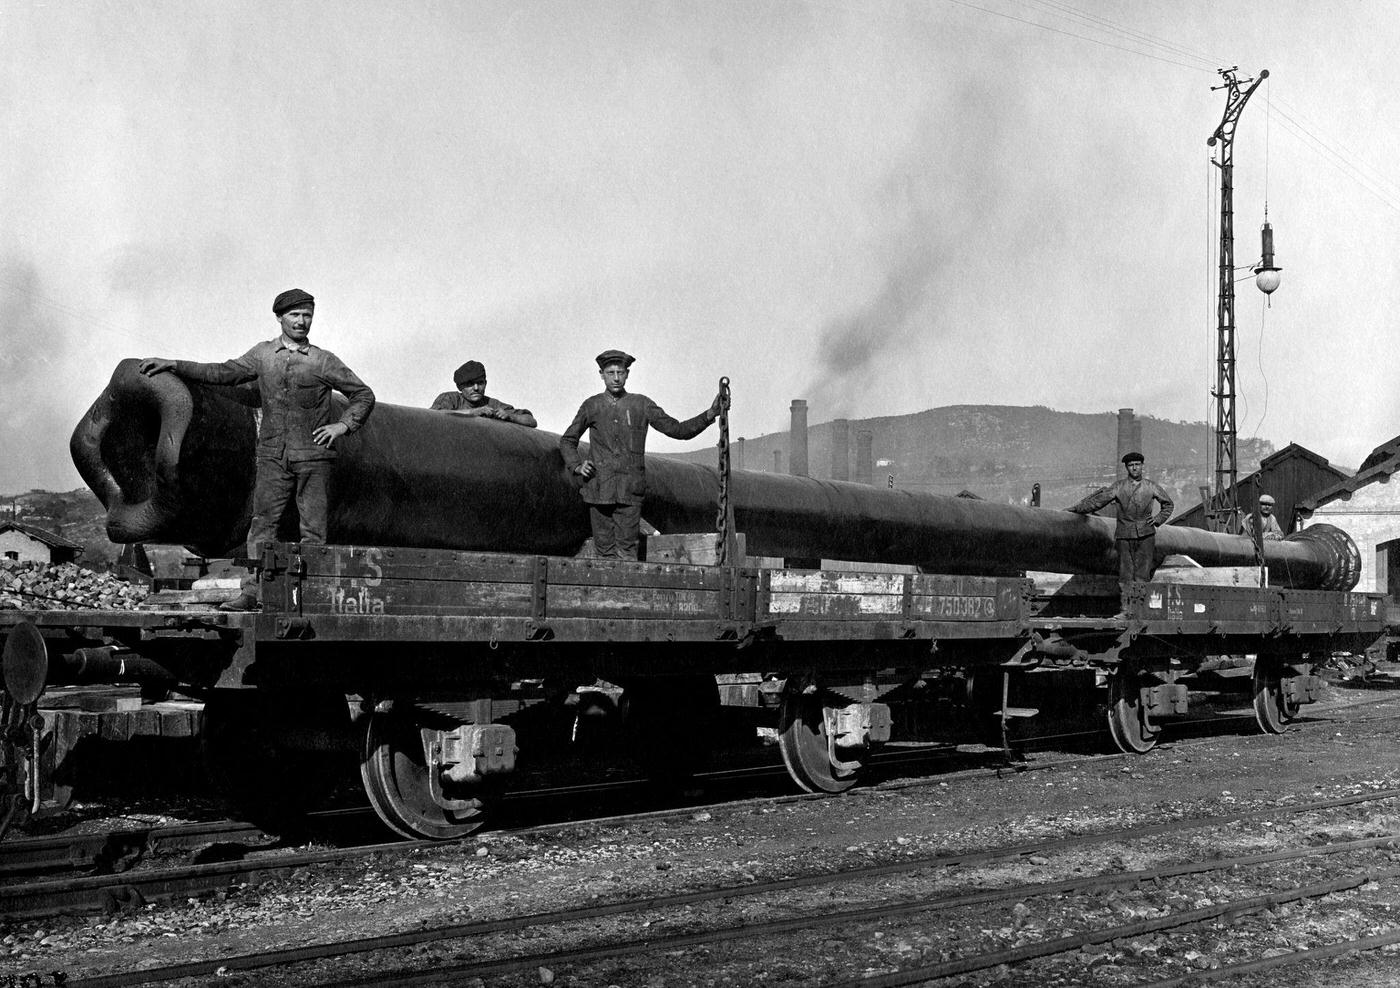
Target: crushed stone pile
67,586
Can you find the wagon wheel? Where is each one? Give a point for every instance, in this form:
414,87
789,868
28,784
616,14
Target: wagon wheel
1273,710
394,770
808,753
1129,723
260,777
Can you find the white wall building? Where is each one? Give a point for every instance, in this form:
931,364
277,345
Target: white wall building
29,543
1366,507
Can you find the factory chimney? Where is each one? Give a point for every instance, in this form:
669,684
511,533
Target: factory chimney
841,449
1125,438
865,460
777,461
736,455
797,439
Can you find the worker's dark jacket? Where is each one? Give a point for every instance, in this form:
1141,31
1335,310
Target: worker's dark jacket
455,401
618,441
295,385
1136,519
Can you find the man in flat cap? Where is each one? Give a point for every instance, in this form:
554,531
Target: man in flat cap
1136,531
297,433
470,398
615,473
1269,528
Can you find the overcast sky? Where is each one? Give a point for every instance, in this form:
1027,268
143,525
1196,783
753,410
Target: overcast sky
880,207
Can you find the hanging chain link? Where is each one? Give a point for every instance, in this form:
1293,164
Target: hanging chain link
724,518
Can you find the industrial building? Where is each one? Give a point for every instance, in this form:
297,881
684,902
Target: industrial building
1366,507
29,543
1292,475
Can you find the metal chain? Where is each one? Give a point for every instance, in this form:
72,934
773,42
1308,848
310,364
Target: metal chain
723,518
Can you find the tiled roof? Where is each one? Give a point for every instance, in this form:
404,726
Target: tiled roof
42,534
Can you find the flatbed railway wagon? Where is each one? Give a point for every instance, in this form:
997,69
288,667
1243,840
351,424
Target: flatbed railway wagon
432,645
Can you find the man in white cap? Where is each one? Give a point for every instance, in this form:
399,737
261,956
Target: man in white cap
1269,528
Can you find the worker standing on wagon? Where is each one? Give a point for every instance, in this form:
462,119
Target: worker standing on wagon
1269,528
470,398
615,473
297,434
1136,531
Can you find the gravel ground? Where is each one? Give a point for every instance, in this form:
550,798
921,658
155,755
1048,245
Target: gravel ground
501,874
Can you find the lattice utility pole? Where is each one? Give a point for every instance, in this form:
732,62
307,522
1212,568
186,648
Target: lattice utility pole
1224,514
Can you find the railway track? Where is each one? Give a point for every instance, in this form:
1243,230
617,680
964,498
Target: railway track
254,856
882,911
246,855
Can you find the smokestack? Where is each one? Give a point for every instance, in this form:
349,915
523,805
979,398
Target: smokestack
797,439
777,461
1125,437
865,460
1137,435
841,450
736,454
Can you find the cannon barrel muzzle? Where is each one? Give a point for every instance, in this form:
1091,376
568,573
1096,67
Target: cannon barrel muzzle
173,462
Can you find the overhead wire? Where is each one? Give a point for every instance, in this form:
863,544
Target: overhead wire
1072,34
1345,160
1104,24
1354,159
1208,418
1264,303
77,314
1341,161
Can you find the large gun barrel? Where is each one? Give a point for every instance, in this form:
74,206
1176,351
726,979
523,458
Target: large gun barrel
173,462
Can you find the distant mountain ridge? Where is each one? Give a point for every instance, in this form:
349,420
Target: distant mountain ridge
998,451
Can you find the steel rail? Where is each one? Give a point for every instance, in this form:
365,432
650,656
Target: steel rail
111,892
879,912
48,854
1194,917
114,892
557,917
29,855
1338,949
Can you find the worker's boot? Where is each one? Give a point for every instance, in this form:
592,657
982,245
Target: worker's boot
243,602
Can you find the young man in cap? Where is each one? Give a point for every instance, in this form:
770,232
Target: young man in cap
615,473
297,432
1136,531
1269,528
470,398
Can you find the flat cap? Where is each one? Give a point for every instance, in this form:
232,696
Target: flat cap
292,298
614,357
472,370
1133,457
1266,499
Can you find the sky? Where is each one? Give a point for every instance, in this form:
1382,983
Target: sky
880,207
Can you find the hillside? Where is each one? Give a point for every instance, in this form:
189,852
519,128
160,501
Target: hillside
79,516
76,515
999,451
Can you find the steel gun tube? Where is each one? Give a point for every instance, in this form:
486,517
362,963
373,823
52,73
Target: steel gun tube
173,462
